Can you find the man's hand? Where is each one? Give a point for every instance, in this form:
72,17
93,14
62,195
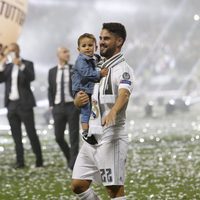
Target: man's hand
3,59
110,118
17,61
3,55
81,99
4,51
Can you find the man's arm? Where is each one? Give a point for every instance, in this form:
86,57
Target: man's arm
121,101
50,90
2,68
27,72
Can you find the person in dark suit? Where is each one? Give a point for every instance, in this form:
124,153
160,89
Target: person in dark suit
63,109
17,74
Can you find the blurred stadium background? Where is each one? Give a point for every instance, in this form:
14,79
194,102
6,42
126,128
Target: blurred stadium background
162,45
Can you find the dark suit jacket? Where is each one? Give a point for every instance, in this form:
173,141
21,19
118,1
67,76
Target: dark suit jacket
25,77
52,84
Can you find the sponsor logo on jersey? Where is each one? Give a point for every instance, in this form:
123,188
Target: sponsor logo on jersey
125,82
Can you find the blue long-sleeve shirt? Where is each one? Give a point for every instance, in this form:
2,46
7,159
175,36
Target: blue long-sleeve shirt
85,74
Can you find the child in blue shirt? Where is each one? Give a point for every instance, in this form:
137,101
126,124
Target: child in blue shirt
85,75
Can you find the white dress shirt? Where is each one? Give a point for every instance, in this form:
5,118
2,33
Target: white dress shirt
2,67
68,97
14,92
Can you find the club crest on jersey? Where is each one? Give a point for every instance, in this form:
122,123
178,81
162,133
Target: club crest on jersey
126,76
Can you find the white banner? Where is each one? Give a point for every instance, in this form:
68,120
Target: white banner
12,17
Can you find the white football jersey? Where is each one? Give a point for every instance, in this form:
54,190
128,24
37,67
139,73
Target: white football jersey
120,76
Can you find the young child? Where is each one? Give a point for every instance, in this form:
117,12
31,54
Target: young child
85,75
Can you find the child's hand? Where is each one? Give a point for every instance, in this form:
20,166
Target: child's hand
104,72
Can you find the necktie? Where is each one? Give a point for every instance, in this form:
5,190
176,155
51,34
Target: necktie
62,87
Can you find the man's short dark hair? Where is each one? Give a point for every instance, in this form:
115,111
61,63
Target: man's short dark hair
116,28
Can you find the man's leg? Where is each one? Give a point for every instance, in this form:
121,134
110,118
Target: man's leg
15,124
83,191
84,172
59,129
27,117
80,186
73,120
116,192
111,160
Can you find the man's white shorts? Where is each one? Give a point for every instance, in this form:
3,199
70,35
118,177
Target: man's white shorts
102,164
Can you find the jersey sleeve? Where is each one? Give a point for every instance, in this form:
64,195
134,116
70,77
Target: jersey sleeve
126,78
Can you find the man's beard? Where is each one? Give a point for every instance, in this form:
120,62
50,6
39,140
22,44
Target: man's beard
108,53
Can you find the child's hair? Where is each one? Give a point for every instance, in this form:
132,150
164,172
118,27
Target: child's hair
86,35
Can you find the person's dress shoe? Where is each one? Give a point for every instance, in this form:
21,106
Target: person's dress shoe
39,163
19,165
